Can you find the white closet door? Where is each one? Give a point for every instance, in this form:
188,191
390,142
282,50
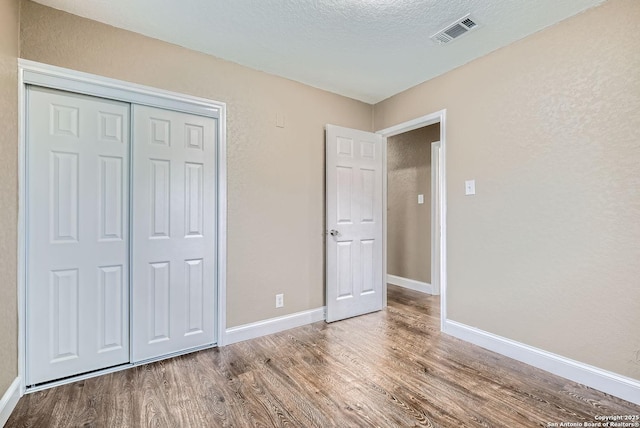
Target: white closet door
174,219
77,255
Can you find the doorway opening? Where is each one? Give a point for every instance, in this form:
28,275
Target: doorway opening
414,254
411,209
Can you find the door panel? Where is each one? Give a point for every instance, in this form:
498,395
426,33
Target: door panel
110,210
174,221
77,241
111,314
354,212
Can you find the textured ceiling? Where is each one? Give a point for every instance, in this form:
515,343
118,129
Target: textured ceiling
365,49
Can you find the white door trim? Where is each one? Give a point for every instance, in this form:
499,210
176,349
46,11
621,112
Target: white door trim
35,73
436,189
430,119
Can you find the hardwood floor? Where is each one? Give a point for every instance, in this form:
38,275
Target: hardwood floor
391,368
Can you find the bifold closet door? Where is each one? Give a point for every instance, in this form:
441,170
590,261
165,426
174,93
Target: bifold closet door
174,227
77,240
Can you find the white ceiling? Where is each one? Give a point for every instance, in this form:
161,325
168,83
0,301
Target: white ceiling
365,49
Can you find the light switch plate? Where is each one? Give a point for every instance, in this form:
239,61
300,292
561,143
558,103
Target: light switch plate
470,187
421,199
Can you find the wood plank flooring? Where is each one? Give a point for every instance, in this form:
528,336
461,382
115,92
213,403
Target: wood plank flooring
388,369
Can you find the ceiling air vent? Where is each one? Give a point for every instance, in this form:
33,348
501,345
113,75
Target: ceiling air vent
455,30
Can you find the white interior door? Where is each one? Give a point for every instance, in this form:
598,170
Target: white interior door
77,244
174,231
354,222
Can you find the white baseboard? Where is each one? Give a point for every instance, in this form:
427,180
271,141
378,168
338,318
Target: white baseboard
602,380
273,325
9,400
411,284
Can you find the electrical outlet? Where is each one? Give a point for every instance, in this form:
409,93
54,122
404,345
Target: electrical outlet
279,300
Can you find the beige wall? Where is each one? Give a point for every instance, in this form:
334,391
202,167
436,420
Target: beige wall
275,175
9,19
408,223
547,251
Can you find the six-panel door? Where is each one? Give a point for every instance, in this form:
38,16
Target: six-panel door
78,234
354,220
174,227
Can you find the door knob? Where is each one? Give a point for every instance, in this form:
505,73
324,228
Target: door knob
334,232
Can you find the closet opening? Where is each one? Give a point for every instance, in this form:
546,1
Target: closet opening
122,243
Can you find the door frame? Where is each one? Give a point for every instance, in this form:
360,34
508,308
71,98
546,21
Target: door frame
49,76
436,189
419,122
